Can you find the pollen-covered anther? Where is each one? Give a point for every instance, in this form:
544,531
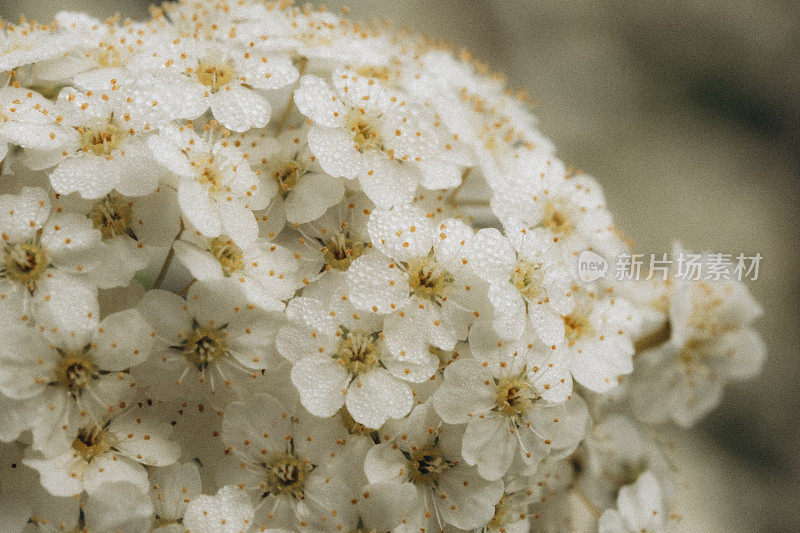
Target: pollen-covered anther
528,278
287,176
427,466
556,218
577,326
364,132
209,174
92,441
514,396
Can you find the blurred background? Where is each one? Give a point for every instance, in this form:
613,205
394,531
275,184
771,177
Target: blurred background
688,112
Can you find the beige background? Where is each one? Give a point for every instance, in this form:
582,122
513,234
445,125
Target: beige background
689,114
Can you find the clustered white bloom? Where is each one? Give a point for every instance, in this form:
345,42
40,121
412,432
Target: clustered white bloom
238,292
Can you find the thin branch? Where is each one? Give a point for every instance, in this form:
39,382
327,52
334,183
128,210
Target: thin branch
186,287
472,203
167,261
590,505
656,338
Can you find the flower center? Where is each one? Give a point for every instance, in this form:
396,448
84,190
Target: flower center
427,465
209,175
428,280
91,442
286,475
514,396
287,176
74,371
112,216
501,509
204,346
528,278
556,219
693,351
365,135
110,57
358,351
577,326
229,255
340,251
102,140
24,263
382,73
214,75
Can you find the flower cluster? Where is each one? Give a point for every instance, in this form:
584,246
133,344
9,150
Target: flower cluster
239,291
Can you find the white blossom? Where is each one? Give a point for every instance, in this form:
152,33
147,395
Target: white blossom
639,508
711,342
286,460
421,462
213,340
245,285
217,189
71,378
510,411
108,451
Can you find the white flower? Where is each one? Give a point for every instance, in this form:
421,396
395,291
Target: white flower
419,278
29,42
310,34
615,447
131,228
510,411
338,336
217,189
266,271
29,120
117,506
228,77
363,130
339,358
530,279
328,246
109,451
711,343
117,46
479,110
571,209
213,340
286,459
523,488
303,188
105,152
639,508
47,259
597,347
72,377
420,462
